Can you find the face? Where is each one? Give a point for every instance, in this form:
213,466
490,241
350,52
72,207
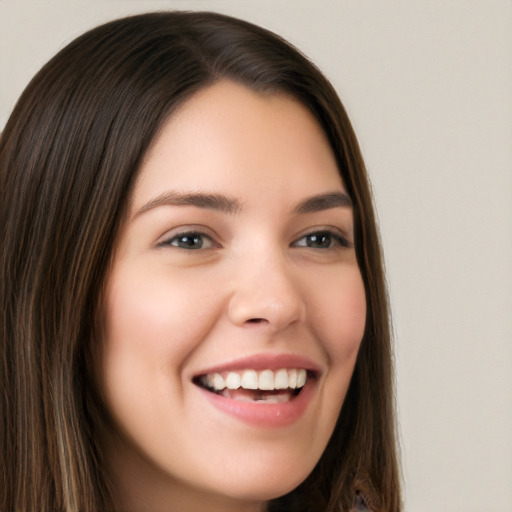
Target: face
234,308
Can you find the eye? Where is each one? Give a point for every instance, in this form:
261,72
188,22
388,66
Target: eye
324,239
191,240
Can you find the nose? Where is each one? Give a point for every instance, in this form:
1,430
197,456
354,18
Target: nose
266,293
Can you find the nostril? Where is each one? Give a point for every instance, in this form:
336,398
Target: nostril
260,308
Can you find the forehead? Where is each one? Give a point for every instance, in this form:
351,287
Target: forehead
230,139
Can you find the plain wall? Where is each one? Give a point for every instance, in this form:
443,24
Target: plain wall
428,86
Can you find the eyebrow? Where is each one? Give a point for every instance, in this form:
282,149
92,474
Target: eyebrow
232,205
324,202
208,201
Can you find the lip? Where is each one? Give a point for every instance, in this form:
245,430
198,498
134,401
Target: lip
261,414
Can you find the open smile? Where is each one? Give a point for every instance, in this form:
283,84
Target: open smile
272,391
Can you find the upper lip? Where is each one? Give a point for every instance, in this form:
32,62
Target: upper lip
267,361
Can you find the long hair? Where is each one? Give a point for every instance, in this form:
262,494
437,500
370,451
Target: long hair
69,157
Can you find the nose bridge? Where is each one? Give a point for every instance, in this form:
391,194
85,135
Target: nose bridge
266,291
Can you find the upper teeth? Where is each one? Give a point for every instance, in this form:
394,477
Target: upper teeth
266,380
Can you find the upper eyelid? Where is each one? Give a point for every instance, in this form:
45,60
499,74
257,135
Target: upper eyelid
171,234
335,230
345,240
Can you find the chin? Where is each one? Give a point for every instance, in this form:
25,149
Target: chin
261,485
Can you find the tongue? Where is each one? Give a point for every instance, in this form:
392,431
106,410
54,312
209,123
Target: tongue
249,395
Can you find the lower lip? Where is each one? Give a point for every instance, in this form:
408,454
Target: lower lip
261,414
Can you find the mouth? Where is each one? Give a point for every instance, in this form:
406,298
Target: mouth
258,386
270,390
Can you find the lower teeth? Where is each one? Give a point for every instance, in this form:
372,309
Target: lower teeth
262,396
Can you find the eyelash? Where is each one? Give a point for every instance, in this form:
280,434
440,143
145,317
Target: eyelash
334,239
191,235
326,236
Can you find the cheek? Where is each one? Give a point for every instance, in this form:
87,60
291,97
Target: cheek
154,314
150,329
341,317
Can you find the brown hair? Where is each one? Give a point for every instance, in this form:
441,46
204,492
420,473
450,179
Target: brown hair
69,155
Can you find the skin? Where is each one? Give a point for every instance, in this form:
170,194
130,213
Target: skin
258,285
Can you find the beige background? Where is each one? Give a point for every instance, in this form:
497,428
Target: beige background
428,85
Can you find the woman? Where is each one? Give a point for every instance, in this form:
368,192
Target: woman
194,310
